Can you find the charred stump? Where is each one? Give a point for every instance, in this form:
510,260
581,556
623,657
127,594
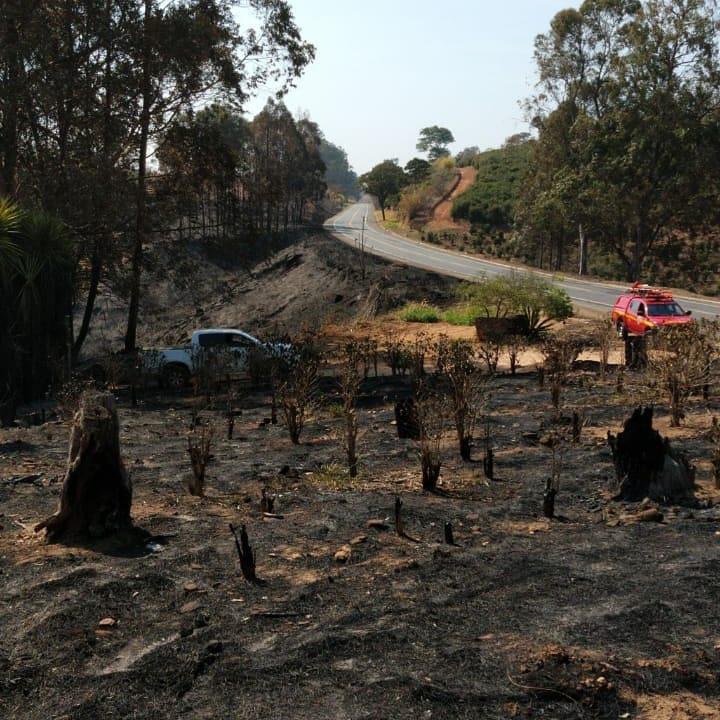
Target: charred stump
406,417
646,466
549,499
399,527
97,492
245,554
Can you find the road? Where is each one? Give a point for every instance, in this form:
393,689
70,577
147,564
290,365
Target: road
585,294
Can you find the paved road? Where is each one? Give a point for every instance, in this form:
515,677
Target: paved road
587,294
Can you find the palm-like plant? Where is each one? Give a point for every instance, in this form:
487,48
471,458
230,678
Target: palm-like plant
36,287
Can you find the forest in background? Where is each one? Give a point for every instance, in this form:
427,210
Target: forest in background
625,156
620,174
121,121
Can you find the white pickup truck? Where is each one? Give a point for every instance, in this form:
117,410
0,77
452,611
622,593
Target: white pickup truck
224,347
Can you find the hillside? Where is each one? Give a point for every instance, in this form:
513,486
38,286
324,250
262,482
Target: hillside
442,217
490,203
313,280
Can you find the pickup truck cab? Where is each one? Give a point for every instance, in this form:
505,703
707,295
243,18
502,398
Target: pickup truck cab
642,309
225,347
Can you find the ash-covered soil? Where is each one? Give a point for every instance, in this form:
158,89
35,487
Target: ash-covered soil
588,616
314,280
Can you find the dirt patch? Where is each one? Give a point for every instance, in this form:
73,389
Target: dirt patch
525,618
442,216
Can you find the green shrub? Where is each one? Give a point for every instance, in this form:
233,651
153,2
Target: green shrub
538,301
420,312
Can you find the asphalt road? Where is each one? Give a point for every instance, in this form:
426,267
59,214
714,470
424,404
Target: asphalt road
585,294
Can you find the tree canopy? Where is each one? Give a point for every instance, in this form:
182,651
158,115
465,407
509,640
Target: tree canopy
434,141
628,123
339,175
384,181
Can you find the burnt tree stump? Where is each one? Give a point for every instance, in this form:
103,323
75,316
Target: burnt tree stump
646,466
97,492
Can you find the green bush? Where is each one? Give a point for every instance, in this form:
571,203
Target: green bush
420,312
538,301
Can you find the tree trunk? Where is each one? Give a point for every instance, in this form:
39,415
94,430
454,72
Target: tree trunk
95,272
97,493
9,134
583,251
131,334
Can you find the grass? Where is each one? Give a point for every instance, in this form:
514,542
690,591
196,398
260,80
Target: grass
462,315
334,476
423,312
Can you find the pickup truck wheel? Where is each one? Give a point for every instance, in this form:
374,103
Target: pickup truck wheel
621,331
176,377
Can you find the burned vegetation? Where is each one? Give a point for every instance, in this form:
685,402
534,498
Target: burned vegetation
394,514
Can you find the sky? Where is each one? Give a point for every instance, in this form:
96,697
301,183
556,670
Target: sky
384,69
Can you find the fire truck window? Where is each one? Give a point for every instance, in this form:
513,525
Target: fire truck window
665,309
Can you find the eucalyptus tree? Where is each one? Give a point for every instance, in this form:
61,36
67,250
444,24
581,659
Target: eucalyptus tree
191,51
628,121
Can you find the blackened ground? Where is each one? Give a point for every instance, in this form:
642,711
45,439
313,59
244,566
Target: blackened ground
587,616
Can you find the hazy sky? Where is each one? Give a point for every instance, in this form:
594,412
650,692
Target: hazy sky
386,68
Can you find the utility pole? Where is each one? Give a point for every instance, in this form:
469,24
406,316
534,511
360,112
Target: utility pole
583,251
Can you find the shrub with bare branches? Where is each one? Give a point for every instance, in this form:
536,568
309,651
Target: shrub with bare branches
296,387
418,350
467,385
211,367
556,444
351,374
682,360
604,335
432,413
560,353
199,446
397,356
489,350
515,345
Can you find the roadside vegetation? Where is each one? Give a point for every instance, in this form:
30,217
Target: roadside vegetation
595,188
537,302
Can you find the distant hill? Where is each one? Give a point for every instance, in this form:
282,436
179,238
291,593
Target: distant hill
490,201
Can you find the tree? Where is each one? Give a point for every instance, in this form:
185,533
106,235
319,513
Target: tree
418,170
604,70
434,141
466,157
195,49
384,181
339,175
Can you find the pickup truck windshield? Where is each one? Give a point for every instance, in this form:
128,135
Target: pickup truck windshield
665,309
